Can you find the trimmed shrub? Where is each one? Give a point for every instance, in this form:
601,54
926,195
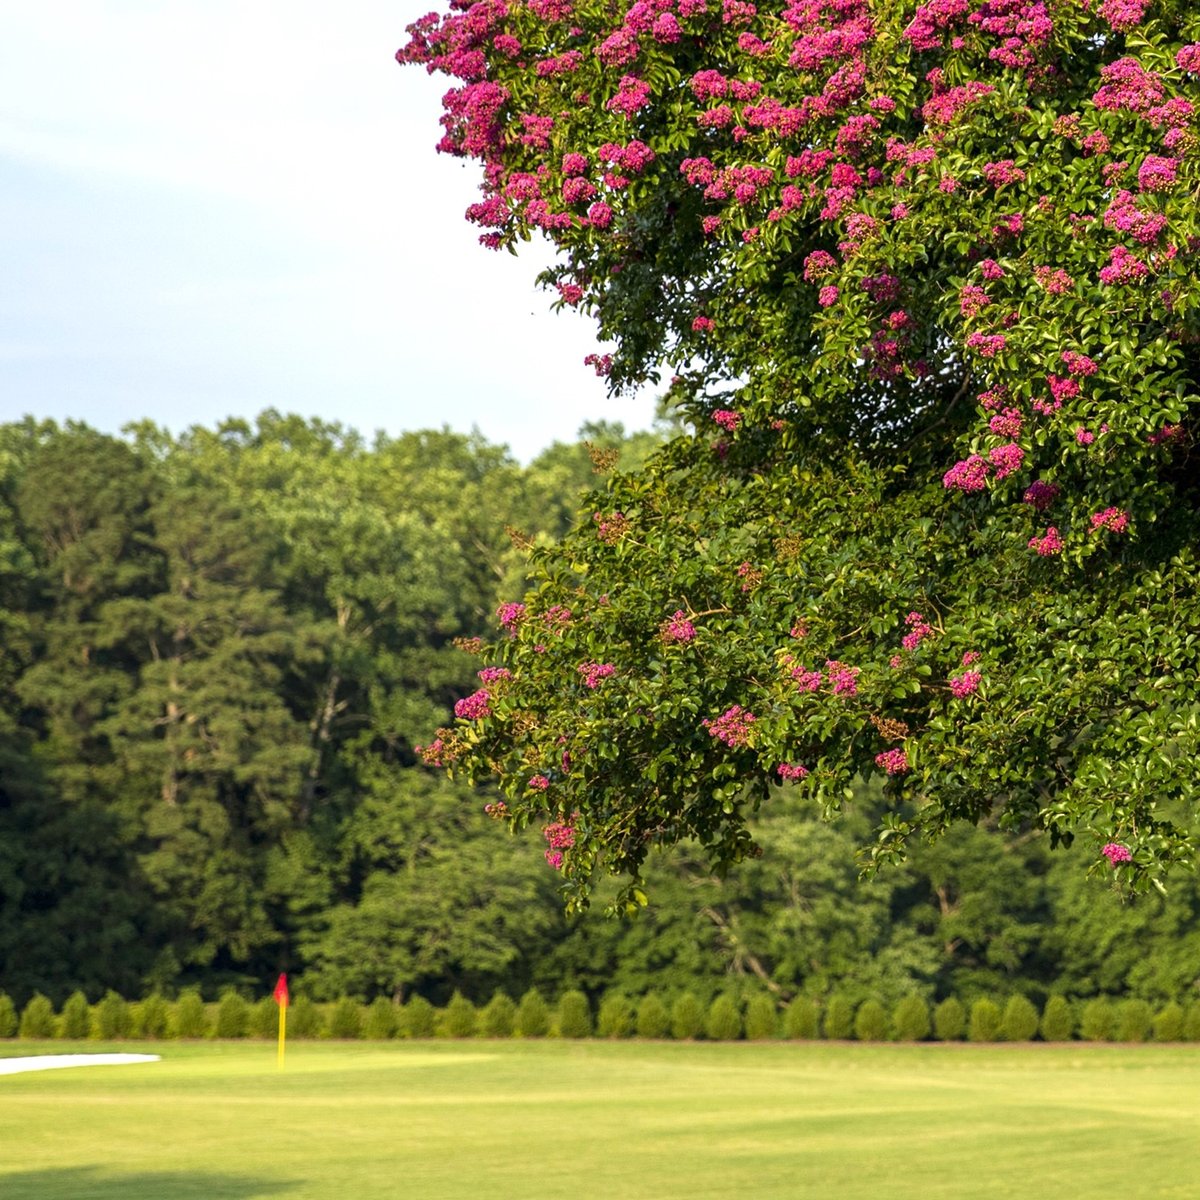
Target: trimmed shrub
233,1015
1134,1018
984,1025
653,1020
264,1018
1191,1022
191,1019
152,1018
574,1015
1020,1020
910,1019
800,1019
724,1020
950,1020
687,1017
304,1019
839,1019
1058,1020
459,1018
1168,1023
615,1018
499,1016
346,1020
533,1016
8,1016
37,1018
762,1018
1097,1022
75,1019
381,1020
870,1021
111,1018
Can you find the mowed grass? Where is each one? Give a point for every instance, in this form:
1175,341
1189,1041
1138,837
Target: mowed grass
532,1120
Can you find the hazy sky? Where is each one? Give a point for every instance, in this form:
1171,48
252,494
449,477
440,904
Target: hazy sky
210,207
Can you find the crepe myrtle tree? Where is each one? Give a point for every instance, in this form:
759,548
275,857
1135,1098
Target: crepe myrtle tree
923,279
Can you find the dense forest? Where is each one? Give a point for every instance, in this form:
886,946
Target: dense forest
220,652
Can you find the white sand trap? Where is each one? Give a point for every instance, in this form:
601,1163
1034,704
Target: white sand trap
53,1062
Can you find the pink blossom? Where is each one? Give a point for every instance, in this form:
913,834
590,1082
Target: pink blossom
818,264
1006,459
843,679
1123,267
677,628
1047,545
973,300
473,707
1000,173
511,616
894,762
732,727
1085,437
594,672
806,681
1187,58
1041,494
1123,15
991,269
966,684
1116,520
1116,853
539,783
827,296
791,771
703,325
491,675
971,656
988,345
727,419
918,630
1157,174
1007,423
969,475
599,215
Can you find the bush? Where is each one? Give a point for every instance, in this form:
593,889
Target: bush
984,1025
839,1019
1097,1021
533,1017
1168,1023
499,1016
152,1017
1134,1019
800,1019
459,1019
346,1020
191,1019
1020,1020
762,1019
910,1020
724,1020
574,1015
1191,1022
1058,1020
950,1020
870,1022
111,1018
37,1018
381,1020
687,1017
264,1018
8,1016
304,1019
233,1015
653,1020
615,1018
75,1019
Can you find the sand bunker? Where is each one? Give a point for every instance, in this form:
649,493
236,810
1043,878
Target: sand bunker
52,1062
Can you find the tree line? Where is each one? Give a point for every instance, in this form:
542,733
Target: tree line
219,652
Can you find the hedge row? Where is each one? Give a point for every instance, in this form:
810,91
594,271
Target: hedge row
618,1016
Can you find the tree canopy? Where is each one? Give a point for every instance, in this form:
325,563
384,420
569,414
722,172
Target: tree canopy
923,279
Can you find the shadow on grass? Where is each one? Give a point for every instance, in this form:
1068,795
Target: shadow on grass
97,1183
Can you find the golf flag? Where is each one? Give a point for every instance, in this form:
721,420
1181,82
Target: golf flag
281,998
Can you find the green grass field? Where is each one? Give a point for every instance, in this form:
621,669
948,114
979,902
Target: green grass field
534,1120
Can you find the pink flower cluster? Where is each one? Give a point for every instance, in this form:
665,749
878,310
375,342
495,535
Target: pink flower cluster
1006,459
988,344
1115,520
894,762
842,678
973,300
791,771
918,630
806,681
490,675
1047,545
732,727
1123,15
473,707
677,628
1041,494
539,783
511,616
1116,853
969,475
1123,267
727,419
966,684
594,672
1157,174
560,835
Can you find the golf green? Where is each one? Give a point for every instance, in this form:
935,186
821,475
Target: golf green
532,1120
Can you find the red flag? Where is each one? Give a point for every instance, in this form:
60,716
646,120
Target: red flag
281,992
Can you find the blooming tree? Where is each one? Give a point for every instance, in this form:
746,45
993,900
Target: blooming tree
924,278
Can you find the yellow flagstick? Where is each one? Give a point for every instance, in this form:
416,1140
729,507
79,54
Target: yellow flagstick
281,998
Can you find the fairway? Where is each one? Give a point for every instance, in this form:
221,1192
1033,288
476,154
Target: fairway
511,1120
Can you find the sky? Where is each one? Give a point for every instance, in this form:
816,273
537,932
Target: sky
213,207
